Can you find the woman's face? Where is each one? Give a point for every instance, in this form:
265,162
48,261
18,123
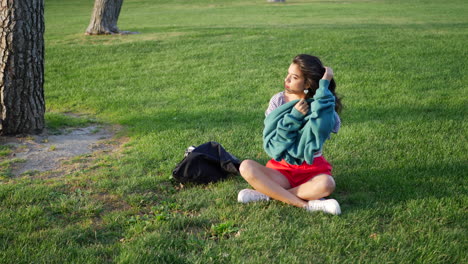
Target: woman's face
294,83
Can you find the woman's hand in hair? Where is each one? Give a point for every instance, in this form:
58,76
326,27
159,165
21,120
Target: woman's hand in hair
302,106
328,75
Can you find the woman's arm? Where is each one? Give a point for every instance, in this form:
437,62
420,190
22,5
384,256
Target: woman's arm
282,126
281,130
321,120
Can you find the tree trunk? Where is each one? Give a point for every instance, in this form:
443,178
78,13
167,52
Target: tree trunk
22,104
104,17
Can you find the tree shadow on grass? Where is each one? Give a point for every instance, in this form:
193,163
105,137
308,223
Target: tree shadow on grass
397,154
226,120
363,187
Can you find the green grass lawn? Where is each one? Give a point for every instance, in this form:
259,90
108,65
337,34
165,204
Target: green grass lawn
205,70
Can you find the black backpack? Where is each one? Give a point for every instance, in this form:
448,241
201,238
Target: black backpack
209,162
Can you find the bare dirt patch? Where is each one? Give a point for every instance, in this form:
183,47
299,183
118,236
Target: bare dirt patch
47,152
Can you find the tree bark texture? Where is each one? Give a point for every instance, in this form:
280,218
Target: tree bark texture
104,17
22,104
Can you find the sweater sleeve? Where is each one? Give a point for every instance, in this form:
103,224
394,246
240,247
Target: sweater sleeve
281,130
337,126
291,136
320,124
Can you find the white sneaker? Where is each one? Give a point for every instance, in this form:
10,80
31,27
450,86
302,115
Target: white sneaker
330,206
248,195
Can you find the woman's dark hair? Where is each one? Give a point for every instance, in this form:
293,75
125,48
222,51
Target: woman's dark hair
313,70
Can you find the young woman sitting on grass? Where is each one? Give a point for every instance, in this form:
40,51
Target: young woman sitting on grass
298,121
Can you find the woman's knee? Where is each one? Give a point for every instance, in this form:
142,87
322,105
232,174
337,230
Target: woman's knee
246,168
326,184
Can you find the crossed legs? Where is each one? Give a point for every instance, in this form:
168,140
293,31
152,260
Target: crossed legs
275,185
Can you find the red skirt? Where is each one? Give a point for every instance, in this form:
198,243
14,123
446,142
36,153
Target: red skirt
299,174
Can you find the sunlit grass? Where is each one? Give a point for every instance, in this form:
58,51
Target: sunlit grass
204,71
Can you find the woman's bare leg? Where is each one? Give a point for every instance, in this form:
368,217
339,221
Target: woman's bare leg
269,182
318,187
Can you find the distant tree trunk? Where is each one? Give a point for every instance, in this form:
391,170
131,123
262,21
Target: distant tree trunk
104,17
22,104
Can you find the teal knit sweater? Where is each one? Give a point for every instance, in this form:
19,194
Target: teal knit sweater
294,137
